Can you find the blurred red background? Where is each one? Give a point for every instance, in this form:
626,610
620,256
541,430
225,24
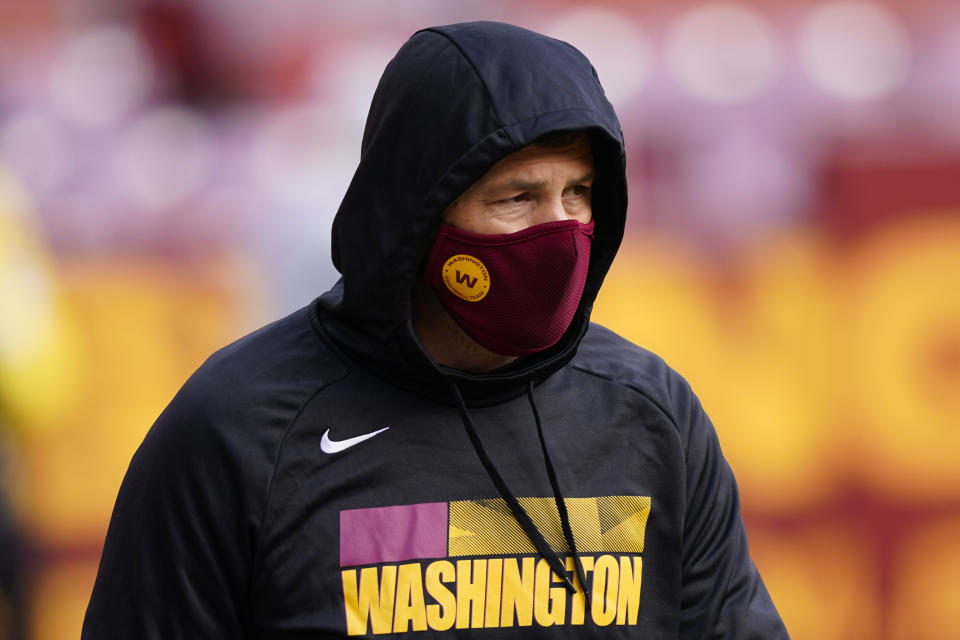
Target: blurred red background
169,171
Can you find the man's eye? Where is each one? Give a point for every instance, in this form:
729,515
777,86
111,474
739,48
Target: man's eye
579,191
520,197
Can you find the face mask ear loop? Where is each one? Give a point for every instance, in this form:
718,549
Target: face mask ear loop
558,498
519,514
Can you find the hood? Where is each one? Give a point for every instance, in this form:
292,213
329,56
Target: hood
451,103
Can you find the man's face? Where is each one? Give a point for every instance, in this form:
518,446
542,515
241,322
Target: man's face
531,186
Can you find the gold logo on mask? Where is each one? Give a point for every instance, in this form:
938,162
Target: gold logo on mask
466,277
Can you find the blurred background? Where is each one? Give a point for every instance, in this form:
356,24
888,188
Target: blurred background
169,171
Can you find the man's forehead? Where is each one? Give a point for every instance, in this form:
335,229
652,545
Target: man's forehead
534,160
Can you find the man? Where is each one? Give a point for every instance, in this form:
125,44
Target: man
443,445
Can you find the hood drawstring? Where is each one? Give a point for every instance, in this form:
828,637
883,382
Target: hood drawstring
519,513
558,498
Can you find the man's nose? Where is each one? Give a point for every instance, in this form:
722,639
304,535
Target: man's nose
554,209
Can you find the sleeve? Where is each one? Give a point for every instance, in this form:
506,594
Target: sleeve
722,593
177,558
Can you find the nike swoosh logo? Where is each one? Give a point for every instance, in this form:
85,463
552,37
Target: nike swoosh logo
336,446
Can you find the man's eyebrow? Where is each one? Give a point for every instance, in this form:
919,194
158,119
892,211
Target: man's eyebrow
519,184
587,177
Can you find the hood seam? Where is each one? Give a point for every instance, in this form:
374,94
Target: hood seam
486,88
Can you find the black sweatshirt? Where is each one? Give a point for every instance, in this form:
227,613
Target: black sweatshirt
318,478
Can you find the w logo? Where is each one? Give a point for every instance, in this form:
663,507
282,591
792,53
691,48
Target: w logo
464,278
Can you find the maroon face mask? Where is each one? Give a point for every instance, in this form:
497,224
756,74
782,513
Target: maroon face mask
514,293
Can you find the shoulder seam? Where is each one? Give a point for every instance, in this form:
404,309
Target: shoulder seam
633,388
255,565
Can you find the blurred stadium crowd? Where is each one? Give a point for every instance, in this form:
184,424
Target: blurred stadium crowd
169,170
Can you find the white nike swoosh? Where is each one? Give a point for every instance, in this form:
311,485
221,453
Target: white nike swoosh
335,446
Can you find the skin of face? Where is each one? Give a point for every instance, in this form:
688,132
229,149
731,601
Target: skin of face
532,186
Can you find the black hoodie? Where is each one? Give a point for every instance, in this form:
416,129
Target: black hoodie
322,477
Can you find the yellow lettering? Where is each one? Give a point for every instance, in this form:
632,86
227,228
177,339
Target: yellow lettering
355,626
373,599
489,593
546,609
411,607
604,593
494,581
442,615
628,601
517,592
470,592
578,602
